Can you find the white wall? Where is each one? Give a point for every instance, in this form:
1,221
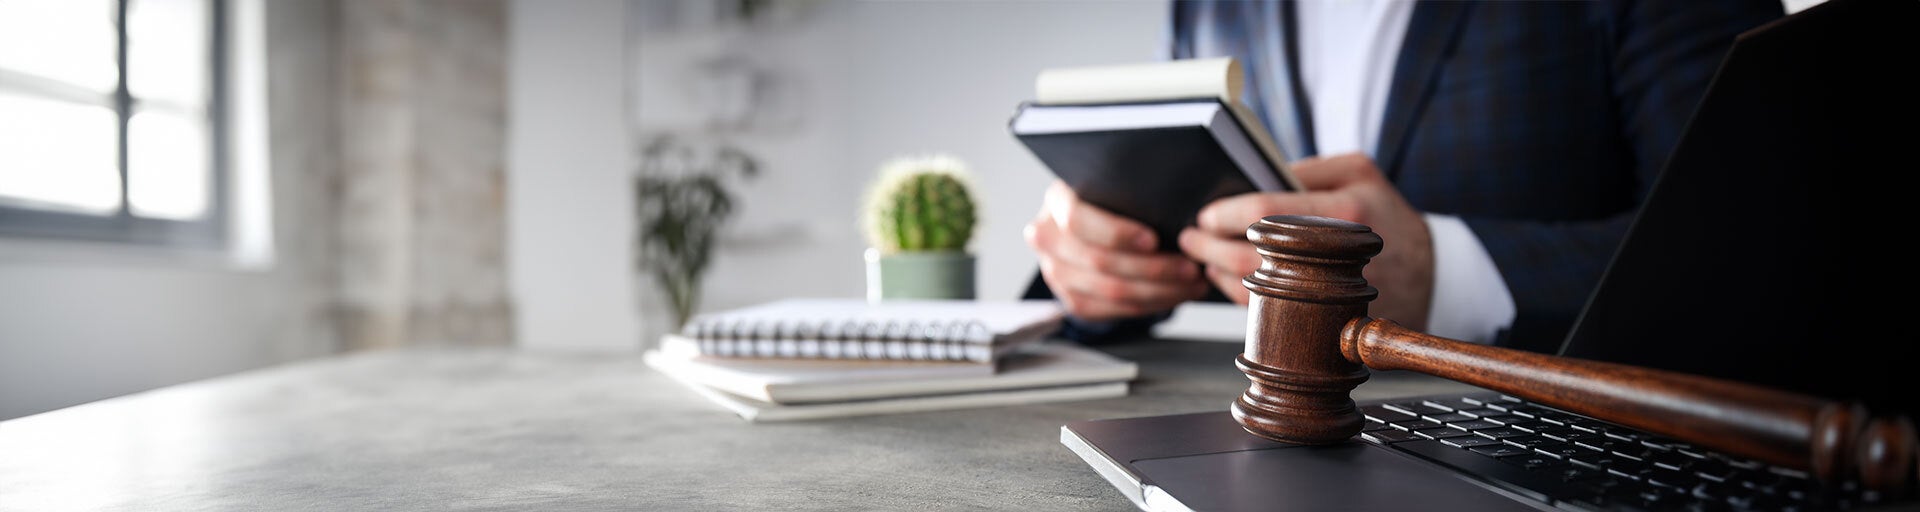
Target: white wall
85,322
869,80
569,218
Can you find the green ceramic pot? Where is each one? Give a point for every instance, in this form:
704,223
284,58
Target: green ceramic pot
920,275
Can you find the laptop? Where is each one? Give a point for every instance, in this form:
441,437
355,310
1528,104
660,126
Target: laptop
1763,255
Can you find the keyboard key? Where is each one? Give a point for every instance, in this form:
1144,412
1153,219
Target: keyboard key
1481,412
1372,425
1416,408
1647,497
1389,436
1693,451
1670,478
1473,425
1628,436
1470,442
1716,471
1562,451
1446,418
1595,460
1480,401
1532,426
1500,433
1506,419
1533,461
1442,433
1657,443
1603,483
1636,453
1578,474
1525,410
1544,415
1789,473
1499,450
1438,405
1672,460
1566,434
1382,414
1600,429
1710,491
1528,442
1412,425
1553,417
1631,470
1584,423
1605,444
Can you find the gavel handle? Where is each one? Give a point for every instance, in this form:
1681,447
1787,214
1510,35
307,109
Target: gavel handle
1830,439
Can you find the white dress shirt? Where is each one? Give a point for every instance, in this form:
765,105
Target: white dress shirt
1347,53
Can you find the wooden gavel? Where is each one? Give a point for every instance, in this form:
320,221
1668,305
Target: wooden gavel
1310,342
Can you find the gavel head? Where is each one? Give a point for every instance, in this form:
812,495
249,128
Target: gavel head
1307,289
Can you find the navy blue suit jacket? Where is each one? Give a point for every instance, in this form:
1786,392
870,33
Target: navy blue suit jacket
1541,124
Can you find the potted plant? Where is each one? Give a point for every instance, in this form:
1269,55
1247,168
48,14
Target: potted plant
919,217
683,198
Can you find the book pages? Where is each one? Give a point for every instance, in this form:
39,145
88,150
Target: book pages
1148,81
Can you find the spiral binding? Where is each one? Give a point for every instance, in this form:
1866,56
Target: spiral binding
858,338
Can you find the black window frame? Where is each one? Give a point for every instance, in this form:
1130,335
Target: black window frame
122,226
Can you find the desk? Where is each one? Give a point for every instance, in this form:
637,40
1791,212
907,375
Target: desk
506,430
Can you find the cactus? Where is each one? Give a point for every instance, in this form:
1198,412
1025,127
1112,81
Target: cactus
921,204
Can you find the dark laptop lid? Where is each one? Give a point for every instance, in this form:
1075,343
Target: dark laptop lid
1767,252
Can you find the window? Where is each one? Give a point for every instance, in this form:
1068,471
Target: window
109,120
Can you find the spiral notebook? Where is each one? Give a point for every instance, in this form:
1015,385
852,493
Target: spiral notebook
973,331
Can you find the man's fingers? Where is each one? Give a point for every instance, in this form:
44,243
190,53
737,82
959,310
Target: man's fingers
1234,213
1230,284
1100,284
1094,225
1045,238
1335,171
1231,256
1096,296
1230,216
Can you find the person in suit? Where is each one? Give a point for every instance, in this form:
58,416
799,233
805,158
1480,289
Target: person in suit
1499,148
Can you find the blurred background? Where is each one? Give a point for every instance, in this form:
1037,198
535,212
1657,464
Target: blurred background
193,188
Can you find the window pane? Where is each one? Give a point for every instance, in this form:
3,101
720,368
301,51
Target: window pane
71,41
168,174
58,154
167,55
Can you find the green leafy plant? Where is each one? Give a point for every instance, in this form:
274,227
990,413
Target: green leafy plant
921,203
683,199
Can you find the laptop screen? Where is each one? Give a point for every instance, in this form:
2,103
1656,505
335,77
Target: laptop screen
1766,252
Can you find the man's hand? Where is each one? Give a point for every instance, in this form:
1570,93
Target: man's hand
1103,266
1349,187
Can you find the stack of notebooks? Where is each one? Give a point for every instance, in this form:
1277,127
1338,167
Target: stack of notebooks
811,358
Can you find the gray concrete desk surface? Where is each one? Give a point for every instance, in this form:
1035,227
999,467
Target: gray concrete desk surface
507,430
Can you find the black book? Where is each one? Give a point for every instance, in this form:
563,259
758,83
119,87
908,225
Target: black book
1158,162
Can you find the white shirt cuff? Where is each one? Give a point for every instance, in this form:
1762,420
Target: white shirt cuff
1470,299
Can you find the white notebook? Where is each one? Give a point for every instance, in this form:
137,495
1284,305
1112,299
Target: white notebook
850,328
767,389
764,412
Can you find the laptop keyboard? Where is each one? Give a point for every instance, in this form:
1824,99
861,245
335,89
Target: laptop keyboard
1572,461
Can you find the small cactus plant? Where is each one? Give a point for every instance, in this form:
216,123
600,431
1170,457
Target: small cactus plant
922,203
